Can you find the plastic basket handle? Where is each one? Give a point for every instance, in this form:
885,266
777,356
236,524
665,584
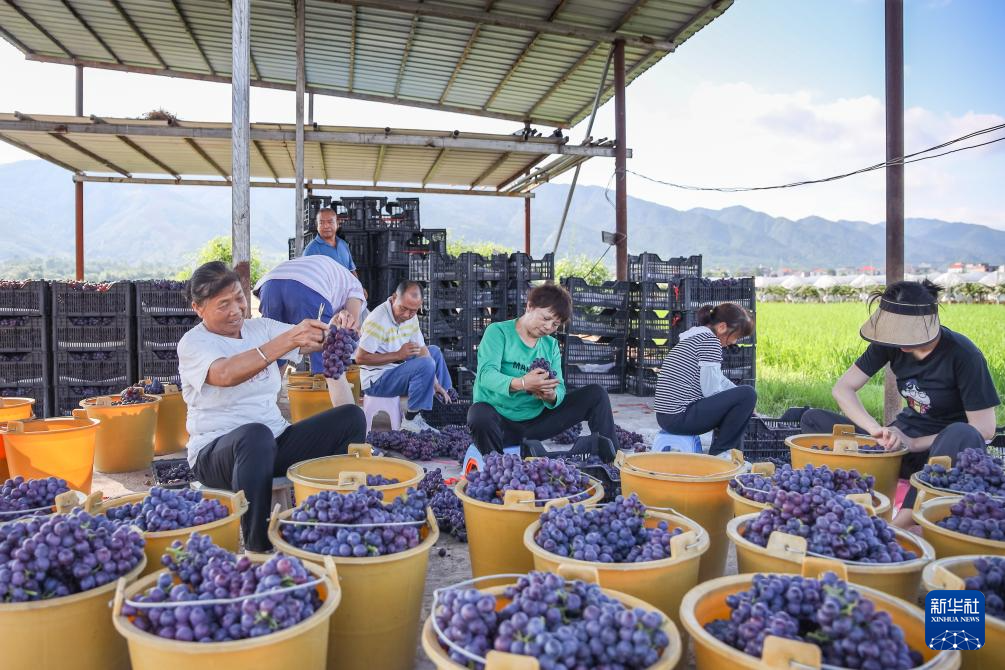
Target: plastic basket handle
14,427
557,502
500,660
619,460
352,479
845,447
274,518
944,461
843,430
863,499
120,596
65,502
240,502
332,569
361,450
685,544
103,401
766,469
786,546
814,566
513,498
92,502
171,388
736,456
80,414
942,578
782,653
588,574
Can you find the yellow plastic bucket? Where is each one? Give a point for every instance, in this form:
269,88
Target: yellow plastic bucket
225,532
12,409
60,447
308,396
126,435
741,506
694,485
949,542
504,661
347,473
927,491
707,602
301,647
171,435
786,554
495,532
948,574
661,583
843,444
359,639
62,633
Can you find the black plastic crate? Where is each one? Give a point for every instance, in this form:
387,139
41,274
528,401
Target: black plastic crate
92,332
609,295
393,247
696,292
433,267
359,247
24,333
385,281
99,367
738,362
456,413
475,267
68,396
114,300
159,363
523,268
650,267
997,446
474,321
163,331
440,295
655,296
484,294
648,353
578,350
688,320
464,382
41,392
765,439
162,296
641,381
428,240
29,297
607,323
656,325
403,214
440,324
308,238
453,349
361,213
610,377
172,473
27,368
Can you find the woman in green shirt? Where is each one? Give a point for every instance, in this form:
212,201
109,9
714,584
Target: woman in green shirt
513,401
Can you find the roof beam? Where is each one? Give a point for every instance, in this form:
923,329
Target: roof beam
136,30
206,157
352,49
90,154
265,159
490,169
380,164
434,166
191,33
404,55
464,54
89,29
35,152
21,46
284,184
542,146
548,26
324,160
38,26
516,175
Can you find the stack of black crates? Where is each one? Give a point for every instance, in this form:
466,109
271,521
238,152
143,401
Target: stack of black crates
163,315
594,342
25,346
92,341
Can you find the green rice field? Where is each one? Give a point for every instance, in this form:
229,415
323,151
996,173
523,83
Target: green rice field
803,348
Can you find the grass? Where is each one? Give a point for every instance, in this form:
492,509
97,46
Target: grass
803,348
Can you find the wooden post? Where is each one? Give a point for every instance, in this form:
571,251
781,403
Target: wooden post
620,162
894,173
78,188
298,220
240,188
526,226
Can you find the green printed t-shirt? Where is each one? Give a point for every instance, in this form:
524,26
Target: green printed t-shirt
502,355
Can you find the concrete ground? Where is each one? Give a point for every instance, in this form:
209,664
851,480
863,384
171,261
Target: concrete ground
453,566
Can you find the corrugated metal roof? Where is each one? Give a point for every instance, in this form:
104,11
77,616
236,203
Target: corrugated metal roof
525,60
406,158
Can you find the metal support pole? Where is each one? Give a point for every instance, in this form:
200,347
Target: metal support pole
526,226
240,189
620,161
298,220
894,173
78,188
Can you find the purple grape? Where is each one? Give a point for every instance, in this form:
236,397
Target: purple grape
380,480
446,506
547,478
543,364
975,470
990,580
339,348
451,442
132,396
761,489
18,496
978,515
155,387
862,448
169,509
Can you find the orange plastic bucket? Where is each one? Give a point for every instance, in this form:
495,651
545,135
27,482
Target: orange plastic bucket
347,473
843,452
171,435
126,436
12,409
308,396
61,447
949,542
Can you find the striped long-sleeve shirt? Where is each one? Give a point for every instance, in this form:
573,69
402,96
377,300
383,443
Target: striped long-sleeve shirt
679,382
322,274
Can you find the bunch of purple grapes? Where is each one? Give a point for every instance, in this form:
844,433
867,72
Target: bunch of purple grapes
89,287
452,394
614,533
15,392
978,515
8,284
91,355
166,354
975,470
628,440
169,509
339,347
366,527
59,555
761,489
168,285
833,526
12,321
201,571
451,442
862,448
990,580
569,435
176,320
547,478
91,320
176,473
19,497
542,364
446,506
827,612
564,624
132,395
154,387
380,480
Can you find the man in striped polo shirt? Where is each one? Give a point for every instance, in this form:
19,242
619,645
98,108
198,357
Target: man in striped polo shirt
395,361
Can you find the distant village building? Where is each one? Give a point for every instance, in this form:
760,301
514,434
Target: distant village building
960,267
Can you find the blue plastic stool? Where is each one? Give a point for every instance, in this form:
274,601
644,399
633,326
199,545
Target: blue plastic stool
688,444
474,460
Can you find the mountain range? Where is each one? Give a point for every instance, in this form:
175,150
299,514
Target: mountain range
163,226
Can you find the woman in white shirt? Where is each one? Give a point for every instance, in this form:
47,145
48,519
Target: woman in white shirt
238,439
692,395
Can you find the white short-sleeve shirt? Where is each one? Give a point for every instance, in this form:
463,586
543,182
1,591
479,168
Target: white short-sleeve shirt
214,411
382,334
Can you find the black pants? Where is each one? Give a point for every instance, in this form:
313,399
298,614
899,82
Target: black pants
247,458
950,441
492,431
729,411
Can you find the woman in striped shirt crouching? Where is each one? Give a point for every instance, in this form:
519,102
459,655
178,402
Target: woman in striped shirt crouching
692,395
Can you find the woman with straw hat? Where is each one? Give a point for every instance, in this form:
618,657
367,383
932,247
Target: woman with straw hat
942,375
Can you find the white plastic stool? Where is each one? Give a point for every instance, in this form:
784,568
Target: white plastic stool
372,406
688,444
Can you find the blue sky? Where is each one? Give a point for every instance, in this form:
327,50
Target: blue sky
772,91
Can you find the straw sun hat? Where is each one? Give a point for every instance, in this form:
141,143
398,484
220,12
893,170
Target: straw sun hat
902,324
